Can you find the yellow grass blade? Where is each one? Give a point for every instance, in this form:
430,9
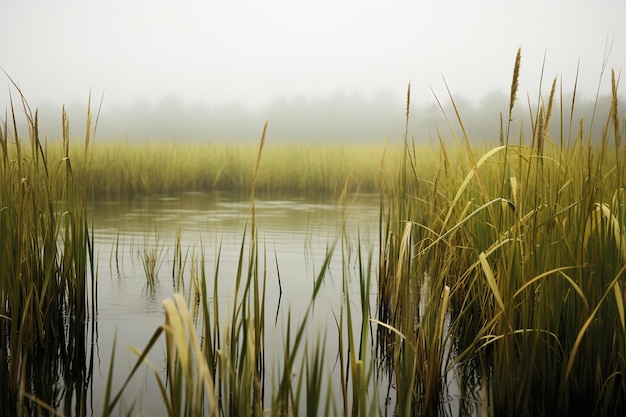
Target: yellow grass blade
491,279
405,249
175,332
387,326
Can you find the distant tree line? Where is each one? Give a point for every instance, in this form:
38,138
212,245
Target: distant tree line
338,118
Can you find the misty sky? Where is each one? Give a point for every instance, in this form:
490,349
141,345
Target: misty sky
255,51
260,56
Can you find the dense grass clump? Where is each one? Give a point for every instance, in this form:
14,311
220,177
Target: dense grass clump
529,238
47,290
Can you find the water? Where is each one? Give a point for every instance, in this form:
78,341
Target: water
294,233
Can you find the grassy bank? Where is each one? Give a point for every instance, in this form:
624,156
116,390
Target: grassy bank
122,170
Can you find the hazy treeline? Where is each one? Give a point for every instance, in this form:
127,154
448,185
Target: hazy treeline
340,117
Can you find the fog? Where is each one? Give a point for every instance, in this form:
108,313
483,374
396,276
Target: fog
318,71
341,118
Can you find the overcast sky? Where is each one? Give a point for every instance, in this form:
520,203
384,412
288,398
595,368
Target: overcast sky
253,52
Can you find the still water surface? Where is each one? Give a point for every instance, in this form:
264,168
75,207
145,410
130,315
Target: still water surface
295,233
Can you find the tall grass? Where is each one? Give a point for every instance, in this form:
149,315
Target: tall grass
501,270
47,275
529,238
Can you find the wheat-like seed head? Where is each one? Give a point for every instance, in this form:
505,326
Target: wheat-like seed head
551,101
408,100
515,83
614,111
540,131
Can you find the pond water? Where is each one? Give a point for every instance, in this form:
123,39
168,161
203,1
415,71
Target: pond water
294,233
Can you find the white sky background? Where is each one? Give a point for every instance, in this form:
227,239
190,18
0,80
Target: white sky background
253,52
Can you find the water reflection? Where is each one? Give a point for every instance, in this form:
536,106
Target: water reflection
49,335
